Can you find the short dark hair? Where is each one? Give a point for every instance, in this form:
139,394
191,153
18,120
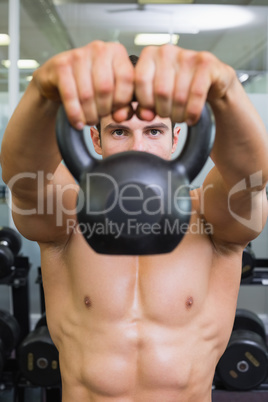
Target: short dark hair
134,60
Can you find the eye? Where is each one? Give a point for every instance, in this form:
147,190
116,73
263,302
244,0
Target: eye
155,132
119,132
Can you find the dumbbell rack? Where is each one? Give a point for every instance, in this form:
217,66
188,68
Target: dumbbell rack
19,286
18,282
220,394
259,276
52,394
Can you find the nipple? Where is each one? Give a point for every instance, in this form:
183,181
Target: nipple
87,302
189,302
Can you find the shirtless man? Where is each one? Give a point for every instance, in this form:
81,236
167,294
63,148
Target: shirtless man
130,328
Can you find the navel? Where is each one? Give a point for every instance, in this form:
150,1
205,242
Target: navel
189,302
87,302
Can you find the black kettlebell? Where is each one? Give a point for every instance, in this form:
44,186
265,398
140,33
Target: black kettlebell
134,203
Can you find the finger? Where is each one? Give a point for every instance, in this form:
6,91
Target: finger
164,78
181,94
83,79
207,76
123,114
103,80
66,85
145,114
123,78
144,78
197,95
182,83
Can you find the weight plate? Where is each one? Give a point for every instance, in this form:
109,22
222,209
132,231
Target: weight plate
244,364
6,261
39,359
12,238
42,322
249,321
9,331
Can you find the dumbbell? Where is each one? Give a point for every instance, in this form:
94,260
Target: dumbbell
38,357
248,262
9,336
10,245
244,364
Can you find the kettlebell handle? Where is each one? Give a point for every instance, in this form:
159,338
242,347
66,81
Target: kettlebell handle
197,147
72,145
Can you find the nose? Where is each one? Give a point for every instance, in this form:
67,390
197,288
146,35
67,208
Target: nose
138,143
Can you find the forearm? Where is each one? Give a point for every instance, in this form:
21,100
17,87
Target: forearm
29,143
241,144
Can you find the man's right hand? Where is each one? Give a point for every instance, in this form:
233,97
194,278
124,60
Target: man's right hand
91,82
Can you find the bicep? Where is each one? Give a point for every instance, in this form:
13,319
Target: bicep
47,212
237,215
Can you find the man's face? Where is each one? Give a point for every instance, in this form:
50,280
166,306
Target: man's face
135,135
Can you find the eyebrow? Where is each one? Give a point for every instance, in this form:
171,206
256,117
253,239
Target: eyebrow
113,126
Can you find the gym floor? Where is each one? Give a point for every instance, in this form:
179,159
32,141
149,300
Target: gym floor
35,395
31,395
26,393
250,396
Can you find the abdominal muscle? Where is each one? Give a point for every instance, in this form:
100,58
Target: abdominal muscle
138,329
137,362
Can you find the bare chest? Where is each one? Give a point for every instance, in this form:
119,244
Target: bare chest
141,317
168,288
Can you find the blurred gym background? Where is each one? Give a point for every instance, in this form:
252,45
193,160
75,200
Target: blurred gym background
31,31
235,31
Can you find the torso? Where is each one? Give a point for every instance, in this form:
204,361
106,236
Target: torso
135,329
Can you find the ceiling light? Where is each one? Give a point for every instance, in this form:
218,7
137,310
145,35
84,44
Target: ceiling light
4,40
243,77
146,39
23,64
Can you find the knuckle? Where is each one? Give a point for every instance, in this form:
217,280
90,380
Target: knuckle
197,92
166,51
186,56
162,92
141,80
96,45
147,51
205,58
119,48
180,98
85,96
67,94
60,61
78,54
126,76
105,88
